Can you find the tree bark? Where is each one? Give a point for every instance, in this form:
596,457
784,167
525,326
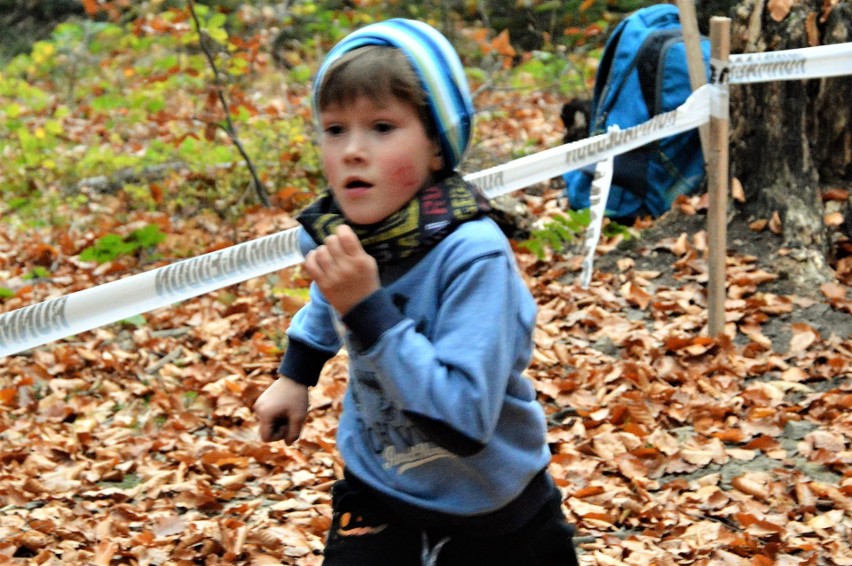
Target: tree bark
831,126
785,131
789,139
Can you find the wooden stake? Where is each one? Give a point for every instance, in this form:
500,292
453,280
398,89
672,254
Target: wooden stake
717,176
694,60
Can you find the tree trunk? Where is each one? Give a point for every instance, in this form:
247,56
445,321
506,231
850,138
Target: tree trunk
771,157
789,138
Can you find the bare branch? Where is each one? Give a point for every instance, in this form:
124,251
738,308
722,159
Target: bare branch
229,128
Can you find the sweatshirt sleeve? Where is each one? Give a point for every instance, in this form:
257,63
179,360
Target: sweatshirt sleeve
312,340
453,384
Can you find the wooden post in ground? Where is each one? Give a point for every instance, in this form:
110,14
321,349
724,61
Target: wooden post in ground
717,175
694,59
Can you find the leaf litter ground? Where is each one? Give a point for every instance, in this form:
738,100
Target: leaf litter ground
135,443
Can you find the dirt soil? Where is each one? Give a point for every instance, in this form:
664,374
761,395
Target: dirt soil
764,248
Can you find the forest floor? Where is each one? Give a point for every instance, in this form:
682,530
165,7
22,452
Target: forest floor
135,443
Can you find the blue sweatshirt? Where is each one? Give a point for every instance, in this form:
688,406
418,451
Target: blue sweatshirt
437,415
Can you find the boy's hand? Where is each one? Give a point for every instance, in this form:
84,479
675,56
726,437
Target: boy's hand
281,410
344,272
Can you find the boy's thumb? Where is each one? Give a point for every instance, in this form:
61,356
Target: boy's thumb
349,239
344,230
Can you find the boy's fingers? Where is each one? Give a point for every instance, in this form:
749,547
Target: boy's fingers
311,263
265,432
333,246
293,431
273,429
322,259
344,230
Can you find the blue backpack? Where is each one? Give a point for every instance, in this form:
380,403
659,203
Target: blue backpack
643,73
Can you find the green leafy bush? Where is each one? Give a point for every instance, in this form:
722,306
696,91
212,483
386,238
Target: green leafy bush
564,233
111,246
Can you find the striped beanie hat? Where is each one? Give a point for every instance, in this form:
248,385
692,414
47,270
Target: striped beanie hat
435,62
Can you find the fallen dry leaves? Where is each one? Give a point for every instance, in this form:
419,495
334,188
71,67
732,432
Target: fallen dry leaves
136,444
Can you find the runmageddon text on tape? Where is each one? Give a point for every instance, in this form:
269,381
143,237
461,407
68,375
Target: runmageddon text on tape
77,312
71,314
555,161
792,64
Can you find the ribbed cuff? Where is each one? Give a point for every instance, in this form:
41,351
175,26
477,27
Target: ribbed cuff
370,318
303,363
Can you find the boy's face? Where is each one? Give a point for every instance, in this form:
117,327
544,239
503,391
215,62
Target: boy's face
376,156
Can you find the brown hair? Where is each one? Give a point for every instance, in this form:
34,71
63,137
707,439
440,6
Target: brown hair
375,72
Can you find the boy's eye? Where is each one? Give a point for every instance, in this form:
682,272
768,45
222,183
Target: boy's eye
384,127
334,130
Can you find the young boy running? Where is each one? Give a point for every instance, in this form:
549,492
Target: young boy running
442,437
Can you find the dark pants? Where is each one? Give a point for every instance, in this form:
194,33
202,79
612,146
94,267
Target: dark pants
365,533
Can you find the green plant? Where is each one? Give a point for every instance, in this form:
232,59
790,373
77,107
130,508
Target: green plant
37,272
136,321
612,229
564,230
567,75
561,230
189,398
128,481
111,246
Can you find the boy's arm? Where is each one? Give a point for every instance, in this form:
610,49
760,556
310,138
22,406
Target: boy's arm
312,341
281,409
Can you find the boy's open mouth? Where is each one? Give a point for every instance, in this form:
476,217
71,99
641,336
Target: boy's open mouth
357,184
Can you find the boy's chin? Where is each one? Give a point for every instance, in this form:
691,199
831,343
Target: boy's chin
360,218
366,215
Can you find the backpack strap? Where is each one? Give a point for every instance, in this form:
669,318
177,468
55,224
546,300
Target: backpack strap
602,87
649,61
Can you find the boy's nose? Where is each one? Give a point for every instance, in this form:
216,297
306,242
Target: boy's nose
355,149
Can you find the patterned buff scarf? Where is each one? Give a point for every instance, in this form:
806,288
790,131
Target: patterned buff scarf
417,227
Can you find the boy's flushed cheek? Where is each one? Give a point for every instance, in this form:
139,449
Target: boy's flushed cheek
406,177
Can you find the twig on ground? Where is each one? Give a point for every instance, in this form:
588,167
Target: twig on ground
167,359
170,332
113,183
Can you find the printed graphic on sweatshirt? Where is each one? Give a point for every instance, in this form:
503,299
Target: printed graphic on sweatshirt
389,434
414,456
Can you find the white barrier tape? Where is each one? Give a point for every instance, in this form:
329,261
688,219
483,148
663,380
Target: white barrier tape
71,314
555,161
64,316
720,104
597,198
806,63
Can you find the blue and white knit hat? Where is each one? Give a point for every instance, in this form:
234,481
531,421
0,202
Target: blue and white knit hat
437,65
